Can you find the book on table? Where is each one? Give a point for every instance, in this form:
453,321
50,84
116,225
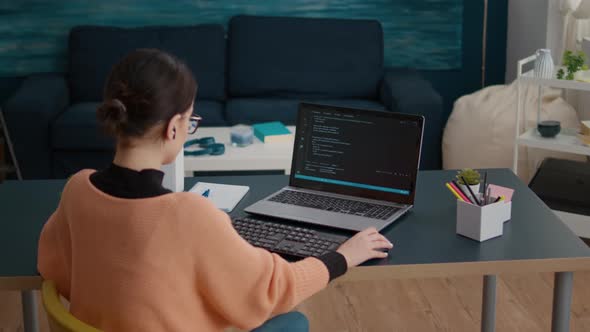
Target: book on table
272,132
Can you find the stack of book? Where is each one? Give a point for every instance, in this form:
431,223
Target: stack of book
272,132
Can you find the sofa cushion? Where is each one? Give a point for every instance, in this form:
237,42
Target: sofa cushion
288,57
211,111
94,50
78,129
68,162
253,110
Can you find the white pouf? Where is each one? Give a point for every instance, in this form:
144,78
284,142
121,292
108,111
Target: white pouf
480,130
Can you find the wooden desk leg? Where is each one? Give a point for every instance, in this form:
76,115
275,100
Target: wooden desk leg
562,301
29,304
488,306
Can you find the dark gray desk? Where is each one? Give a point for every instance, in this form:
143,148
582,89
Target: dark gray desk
426,244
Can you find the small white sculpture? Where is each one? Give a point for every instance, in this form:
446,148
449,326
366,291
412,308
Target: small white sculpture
544,66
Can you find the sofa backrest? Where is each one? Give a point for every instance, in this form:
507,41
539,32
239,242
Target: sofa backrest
304,57
93,50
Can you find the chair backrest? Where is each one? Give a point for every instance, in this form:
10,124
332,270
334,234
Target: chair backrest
60,319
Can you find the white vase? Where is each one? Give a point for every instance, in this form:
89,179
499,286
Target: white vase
544,64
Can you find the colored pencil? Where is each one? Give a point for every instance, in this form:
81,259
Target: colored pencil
471,191
485,184
454,192
460,193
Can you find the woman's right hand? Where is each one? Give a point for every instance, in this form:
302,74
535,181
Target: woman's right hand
363,246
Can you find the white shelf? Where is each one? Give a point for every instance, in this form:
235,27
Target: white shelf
529,77
566,141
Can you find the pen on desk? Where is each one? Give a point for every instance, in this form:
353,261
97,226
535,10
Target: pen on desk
471,191
206,193
489,195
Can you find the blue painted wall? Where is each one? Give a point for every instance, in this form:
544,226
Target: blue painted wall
424,34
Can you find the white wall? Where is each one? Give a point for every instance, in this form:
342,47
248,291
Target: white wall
527,31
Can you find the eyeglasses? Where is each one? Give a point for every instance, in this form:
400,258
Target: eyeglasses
193,123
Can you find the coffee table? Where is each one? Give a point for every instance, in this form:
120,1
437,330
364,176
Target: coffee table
258,156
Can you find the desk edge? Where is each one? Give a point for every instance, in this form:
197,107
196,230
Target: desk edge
440,270
405,271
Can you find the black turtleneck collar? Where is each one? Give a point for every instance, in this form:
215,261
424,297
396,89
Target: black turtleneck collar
127,183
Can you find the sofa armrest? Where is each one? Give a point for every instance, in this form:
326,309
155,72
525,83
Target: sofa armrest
405,91
29,114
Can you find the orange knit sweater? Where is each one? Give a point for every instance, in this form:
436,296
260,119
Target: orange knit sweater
167,263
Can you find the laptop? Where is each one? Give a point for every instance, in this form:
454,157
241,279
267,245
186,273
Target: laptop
351,169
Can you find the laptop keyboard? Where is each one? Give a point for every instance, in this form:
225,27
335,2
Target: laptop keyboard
286,240
347,206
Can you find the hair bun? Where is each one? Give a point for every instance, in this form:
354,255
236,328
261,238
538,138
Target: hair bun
112,114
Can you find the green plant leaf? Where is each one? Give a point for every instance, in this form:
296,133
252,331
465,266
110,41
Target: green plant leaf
573,62
470,175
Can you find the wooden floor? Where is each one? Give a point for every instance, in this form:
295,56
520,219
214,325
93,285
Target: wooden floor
450,304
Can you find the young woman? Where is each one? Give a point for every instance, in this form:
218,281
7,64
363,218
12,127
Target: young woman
132,256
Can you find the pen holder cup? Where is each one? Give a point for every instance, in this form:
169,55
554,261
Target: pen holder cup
482,223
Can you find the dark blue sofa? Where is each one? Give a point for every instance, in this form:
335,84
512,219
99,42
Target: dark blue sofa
259,71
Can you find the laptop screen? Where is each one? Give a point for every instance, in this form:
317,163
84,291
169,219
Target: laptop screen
362,153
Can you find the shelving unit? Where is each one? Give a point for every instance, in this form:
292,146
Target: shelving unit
529,77
565,141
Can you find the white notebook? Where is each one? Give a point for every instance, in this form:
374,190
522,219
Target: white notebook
224,196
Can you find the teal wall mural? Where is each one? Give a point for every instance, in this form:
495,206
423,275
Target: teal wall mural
424,34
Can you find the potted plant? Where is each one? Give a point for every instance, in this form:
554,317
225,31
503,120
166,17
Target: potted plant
472,177
573,62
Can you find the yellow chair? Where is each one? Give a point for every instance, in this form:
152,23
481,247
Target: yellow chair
60,319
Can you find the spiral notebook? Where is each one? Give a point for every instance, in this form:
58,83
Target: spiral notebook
224,196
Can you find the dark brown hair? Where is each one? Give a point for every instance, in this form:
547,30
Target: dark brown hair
147,87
